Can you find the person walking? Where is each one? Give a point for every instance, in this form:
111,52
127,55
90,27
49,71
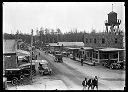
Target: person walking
84,83
95,83
89,83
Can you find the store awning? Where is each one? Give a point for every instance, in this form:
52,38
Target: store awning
87,48
111,49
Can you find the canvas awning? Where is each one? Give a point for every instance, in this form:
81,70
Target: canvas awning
111,49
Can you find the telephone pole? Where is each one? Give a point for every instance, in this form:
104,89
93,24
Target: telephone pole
31,52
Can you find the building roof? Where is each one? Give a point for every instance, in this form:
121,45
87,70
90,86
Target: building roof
54,44
9,46
71,43
67,44
111,49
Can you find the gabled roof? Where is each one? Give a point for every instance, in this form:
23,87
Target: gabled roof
9,46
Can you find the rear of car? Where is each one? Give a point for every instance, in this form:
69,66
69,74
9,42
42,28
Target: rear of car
58,58
44,69
14,75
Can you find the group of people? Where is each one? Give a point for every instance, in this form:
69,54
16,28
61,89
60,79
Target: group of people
90,83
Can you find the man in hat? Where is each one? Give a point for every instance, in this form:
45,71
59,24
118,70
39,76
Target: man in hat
84,83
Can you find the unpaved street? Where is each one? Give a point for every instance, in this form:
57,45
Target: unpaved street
72,74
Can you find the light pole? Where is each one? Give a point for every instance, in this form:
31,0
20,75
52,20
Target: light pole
31,52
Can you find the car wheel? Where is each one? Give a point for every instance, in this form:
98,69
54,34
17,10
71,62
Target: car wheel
14,81
21,77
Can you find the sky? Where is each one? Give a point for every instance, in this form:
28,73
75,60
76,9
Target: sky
25,16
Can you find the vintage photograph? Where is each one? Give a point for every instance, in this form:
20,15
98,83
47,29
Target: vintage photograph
64,46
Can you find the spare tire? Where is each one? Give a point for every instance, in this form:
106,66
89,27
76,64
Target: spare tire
21,77
15,81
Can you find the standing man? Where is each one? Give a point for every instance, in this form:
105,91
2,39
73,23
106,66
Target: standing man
84,83
82,61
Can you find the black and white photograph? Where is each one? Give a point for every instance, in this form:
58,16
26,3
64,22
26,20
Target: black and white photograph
64,46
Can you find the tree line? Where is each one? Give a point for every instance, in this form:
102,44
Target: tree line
44,36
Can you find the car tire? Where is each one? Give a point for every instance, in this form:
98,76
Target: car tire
21,77
14,81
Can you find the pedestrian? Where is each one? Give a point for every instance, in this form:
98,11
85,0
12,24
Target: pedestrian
94,63
95,83
82,61
84,83
89,83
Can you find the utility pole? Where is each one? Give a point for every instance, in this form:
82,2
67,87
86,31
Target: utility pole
31,52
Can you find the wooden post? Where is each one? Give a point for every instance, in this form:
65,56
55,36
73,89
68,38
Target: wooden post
31,52
92,55
98,56
118,56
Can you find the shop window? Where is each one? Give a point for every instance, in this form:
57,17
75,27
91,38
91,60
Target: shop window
103,40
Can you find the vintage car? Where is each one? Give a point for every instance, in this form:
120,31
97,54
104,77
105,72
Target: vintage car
56,52
113,64
58,58
14,75
44,68
26,69
64,54
5,87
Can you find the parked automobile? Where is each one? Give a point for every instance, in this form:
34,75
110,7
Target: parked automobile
57,52
44,69
26,69
113,64
58,58
14,75
5,87
64,54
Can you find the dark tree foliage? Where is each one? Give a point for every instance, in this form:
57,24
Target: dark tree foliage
44,36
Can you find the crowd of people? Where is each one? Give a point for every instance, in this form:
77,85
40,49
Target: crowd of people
90,83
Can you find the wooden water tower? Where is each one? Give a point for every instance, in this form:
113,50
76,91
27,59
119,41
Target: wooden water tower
112,21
